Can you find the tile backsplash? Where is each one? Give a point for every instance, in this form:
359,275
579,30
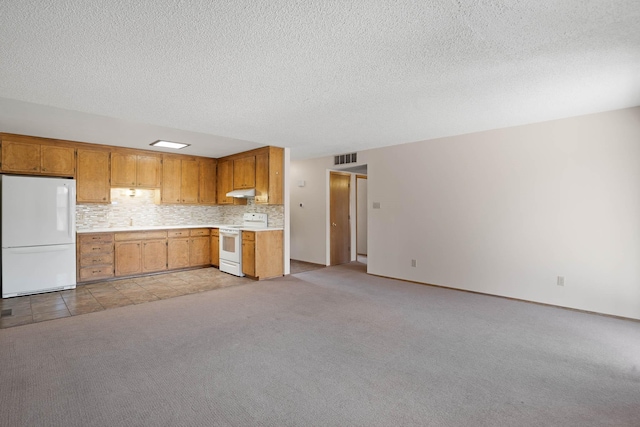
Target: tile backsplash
140,210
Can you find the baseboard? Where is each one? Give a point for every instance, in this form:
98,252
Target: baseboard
510,298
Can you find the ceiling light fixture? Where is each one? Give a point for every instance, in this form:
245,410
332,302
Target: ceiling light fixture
169,144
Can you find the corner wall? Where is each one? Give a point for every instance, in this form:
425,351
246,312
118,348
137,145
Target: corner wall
504,212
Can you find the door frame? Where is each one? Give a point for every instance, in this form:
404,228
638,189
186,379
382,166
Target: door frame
350,248
359,176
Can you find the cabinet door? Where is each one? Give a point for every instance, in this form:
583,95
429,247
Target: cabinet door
244,172
249,257
199,251
92,176
123,170
207,194
262,178
215,249
128,258
21,157
189,181
148,171
154,255
276,176
178,253
225,182
171,179
58,161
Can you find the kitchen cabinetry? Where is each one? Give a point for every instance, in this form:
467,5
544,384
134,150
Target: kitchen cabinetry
178,249
269,176
262,169
95,256
30,155
140,252
262,254
207,194
129,169
92,176
225,182
244,173
188,248
215,247
199,247
180,180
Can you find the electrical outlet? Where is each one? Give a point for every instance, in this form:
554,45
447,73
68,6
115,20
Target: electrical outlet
413,263
560,280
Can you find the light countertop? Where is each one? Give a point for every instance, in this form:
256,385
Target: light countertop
170,227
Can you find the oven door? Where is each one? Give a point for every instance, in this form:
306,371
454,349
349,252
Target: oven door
230,248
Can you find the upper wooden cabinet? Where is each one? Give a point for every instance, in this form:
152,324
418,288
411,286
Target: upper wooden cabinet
207,194
130,169
269,176
180,179
92,176
262,169
37,156
244,173
225,181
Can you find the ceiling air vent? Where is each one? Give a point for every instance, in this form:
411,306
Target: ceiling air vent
343,159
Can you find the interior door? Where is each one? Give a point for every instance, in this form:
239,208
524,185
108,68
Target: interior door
339,189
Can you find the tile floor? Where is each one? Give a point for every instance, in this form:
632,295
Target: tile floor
103,296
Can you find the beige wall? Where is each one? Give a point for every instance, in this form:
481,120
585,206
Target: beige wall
506,211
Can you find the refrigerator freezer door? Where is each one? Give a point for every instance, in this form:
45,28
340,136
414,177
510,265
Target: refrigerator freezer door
37,211
38,269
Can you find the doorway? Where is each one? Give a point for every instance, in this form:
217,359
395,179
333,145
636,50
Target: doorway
339,219
361,218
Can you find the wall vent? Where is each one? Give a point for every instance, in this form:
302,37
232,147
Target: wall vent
344,159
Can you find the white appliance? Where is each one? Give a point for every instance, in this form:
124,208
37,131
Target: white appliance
38,234
231,242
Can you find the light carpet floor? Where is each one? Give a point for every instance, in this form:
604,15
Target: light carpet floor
330,347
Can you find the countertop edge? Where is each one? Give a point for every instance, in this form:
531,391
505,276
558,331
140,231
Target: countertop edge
170,227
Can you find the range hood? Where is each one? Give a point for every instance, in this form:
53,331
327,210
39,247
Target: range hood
249,192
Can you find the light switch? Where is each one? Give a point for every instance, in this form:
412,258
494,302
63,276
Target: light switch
376,205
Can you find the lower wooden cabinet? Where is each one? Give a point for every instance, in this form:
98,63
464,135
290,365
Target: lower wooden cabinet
262,254
154,255
188,248
95,257
138,252
178,252
199,247
215,247
128,258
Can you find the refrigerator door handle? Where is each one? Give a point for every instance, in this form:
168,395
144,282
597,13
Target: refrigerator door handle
71,197
39,249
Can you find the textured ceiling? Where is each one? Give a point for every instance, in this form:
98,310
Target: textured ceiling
322,77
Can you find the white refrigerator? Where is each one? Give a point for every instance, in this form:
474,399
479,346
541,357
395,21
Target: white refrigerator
38,234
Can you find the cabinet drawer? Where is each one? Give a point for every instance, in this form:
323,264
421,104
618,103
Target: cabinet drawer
96,238
89,273
183,232
96,248
248,235
96,259
215,232
199,232
141,235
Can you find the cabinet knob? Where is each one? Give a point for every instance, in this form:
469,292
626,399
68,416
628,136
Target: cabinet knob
44,169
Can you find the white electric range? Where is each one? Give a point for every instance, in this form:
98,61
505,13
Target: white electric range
231,242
